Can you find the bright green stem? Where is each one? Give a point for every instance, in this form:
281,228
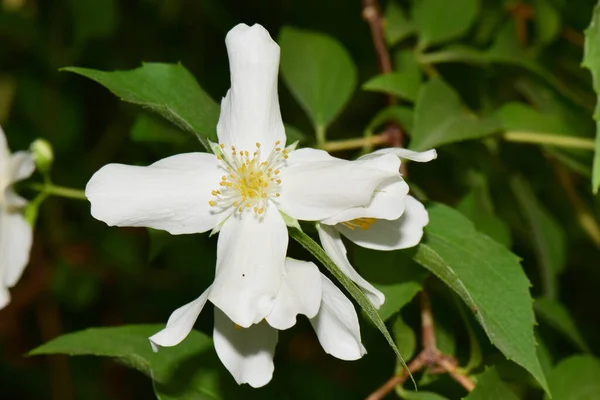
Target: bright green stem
321,136
549,139
59,191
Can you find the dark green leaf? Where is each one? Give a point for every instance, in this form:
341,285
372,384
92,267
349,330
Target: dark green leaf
397,26
394,83
452,122
166,89
489,279
405,337
437,21
591,60
575,378
402,116
559,317
318,71
490,387
547,22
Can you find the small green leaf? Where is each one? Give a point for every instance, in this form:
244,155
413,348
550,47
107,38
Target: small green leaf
489,279
575,378
394,83
547,22
318,71
149,128
438,21
93,19
317,251
491,387
129,345
166,89
420,395
397,27
558,316
440,118
405,337
591,61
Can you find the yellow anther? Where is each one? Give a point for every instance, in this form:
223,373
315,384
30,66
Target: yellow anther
277,142
219,158
278,149
258,145
278,181
212,203
261,211
276,171
222,146
277,195
223,178
214,193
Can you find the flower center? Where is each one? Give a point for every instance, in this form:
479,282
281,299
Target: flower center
362,223
249,182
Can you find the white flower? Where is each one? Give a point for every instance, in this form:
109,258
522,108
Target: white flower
16,234
248,352
241,191
392,220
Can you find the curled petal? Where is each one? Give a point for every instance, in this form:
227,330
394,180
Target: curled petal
419,156
250,265
172,194
333,245
247,353
336,324
316,185
402,233
16,237
300,293
180,323
250,110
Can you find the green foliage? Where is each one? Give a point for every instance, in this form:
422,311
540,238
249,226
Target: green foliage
395,83
397,26
591,60
490,387
438,21
575,378
558,316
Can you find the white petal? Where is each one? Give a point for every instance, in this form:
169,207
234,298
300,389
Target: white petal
4,297
250,110
180,323
300,293
419,156
250,265
336,324
333,245
21,166
316,185
171,194
16,237
402,233
387,203
247,353
4,152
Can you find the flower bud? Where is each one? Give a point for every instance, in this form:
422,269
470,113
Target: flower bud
43,155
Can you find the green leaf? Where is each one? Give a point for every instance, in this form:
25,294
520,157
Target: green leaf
575,378
558,316
420,395
440,118
149,128
166,89
93,19
402,116
546,235
489,279
547,22
491,387
437,21
405,337
129,345
318,71
394,83
591,60
397,27
516,116
317,251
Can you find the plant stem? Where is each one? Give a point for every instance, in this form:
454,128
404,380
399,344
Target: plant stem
321,136
349,144
549,139
59,191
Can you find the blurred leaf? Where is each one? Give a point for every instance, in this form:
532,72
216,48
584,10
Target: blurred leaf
93,19
575,378
420,395
437,21
547,22
546,235
397,27
129,345
491,387
489,279
167,89
405,337
516,116
591,60
403,116
445,336
318,71
294,134
148,128
477,205
558,316
394,83
441,118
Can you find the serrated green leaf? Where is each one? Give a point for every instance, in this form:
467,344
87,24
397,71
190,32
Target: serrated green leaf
547,236
488,278
318,71
397,27
129,345
441,118
575,378
166,89
491,387
317,251
558,316
591,61
437,21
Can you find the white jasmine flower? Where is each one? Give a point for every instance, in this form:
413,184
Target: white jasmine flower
16,234
392,220
248,352
243,189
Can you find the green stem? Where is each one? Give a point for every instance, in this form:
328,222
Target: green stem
348,144
321,136
549,139
59,191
